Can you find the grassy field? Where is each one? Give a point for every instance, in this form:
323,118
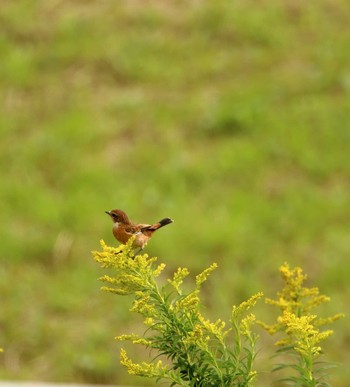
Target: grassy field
231,117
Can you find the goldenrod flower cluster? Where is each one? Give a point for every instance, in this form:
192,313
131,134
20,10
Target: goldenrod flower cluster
198,349
202,277
302,334
300,329
178,278
143,369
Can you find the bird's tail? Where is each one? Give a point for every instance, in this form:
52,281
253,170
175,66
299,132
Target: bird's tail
160,224
164,222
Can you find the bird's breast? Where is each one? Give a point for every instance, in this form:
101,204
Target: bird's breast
120,234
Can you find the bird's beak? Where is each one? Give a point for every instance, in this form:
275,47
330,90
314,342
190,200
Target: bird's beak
108,212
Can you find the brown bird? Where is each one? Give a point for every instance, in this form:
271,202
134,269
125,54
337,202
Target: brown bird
123,228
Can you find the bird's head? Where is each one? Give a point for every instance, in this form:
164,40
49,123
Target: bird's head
118,216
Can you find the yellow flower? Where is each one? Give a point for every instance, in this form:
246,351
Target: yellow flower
246,323
142,305
302,334
144,369
197,337
202,277
245,305
297,299
135,339
133,273
117,257
120,292
299,327
187,303
149,321
159,269
178,278
216,329
328,320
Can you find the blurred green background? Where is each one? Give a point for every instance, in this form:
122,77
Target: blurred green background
231,117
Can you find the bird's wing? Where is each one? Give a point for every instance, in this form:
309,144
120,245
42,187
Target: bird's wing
144,227
136,228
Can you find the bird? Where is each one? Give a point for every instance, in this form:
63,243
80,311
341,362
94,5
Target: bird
124,229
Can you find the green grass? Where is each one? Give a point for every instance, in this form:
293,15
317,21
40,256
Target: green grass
231,117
